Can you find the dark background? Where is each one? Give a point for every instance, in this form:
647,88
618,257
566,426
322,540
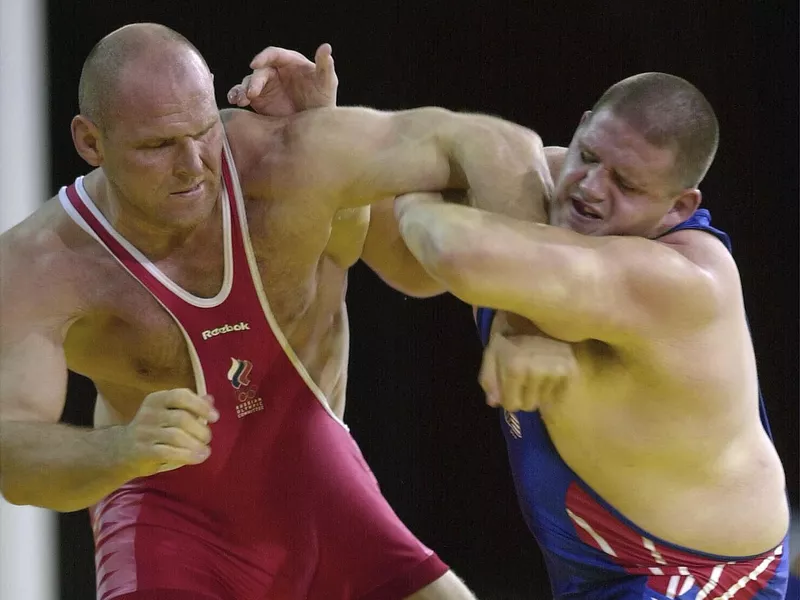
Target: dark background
414,405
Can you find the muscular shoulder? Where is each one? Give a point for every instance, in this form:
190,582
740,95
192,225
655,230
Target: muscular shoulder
706,252
42,261
697,273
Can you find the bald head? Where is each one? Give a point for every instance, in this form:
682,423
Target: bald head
153,48
668,112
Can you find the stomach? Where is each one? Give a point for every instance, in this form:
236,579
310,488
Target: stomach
725,499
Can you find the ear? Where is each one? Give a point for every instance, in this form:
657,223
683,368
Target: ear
87,140
585,117
683,206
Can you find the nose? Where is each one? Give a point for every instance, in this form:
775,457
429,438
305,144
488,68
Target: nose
189,160
594,185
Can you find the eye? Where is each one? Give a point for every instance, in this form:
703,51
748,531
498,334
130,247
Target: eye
626,187
155,144
587,157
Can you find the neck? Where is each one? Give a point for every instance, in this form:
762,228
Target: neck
156,240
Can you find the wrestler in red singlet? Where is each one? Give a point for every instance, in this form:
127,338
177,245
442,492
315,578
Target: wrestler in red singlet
285,507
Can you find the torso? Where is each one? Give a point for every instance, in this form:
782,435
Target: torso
128,345
670,435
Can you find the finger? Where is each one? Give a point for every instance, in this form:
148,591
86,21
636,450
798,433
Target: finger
172,457
238,93
175,437
323,59
199,406
487,378
512,386
273,56
181,419
258,80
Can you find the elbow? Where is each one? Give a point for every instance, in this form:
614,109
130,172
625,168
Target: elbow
432,241
16,493
451,260
11,493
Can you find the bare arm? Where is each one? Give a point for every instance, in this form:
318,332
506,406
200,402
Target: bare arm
334,158
615,289
386,253
42,462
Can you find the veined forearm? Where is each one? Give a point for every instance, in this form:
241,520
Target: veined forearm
548,275
58,466
431,231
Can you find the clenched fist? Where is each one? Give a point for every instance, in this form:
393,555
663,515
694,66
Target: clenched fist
170,430
524,372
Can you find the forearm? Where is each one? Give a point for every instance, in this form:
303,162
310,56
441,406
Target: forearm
58,466
547,275
400,269
386,253
434,233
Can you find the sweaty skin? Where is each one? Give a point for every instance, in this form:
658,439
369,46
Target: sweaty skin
307,180
666,435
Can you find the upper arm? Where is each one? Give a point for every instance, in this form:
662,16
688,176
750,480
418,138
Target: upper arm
628,290
33,369
33,376
574,287
387,255
334,158
344,157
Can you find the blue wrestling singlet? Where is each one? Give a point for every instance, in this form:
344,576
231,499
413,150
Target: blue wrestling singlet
592,551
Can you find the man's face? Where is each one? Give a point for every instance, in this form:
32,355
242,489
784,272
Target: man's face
614,182
163,141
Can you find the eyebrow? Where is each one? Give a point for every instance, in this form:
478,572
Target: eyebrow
205,129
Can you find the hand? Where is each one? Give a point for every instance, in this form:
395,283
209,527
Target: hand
285,82
524,372
170,430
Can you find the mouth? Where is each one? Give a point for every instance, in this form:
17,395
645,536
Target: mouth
585,210
190,191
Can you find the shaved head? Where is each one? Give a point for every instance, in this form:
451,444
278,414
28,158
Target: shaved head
156,48
669,112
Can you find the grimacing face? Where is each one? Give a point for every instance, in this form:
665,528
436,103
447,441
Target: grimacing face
614,182
161,151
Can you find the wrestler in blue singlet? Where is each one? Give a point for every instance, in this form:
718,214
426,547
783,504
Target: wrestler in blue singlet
592,551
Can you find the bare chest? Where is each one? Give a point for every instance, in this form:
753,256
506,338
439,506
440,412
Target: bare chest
125,339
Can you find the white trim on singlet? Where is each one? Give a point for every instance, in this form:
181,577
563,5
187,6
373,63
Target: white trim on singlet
256,277
227,277
197,368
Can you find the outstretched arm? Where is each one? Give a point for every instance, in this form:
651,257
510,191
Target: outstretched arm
344,157
574,287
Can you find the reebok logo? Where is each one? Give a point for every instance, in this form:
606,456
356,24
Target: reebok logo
227,328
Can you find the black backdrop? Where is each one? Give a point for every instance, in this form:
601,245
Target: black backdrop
414,405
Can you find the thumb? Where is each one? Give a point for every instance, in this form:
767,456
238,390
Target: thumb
488,377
